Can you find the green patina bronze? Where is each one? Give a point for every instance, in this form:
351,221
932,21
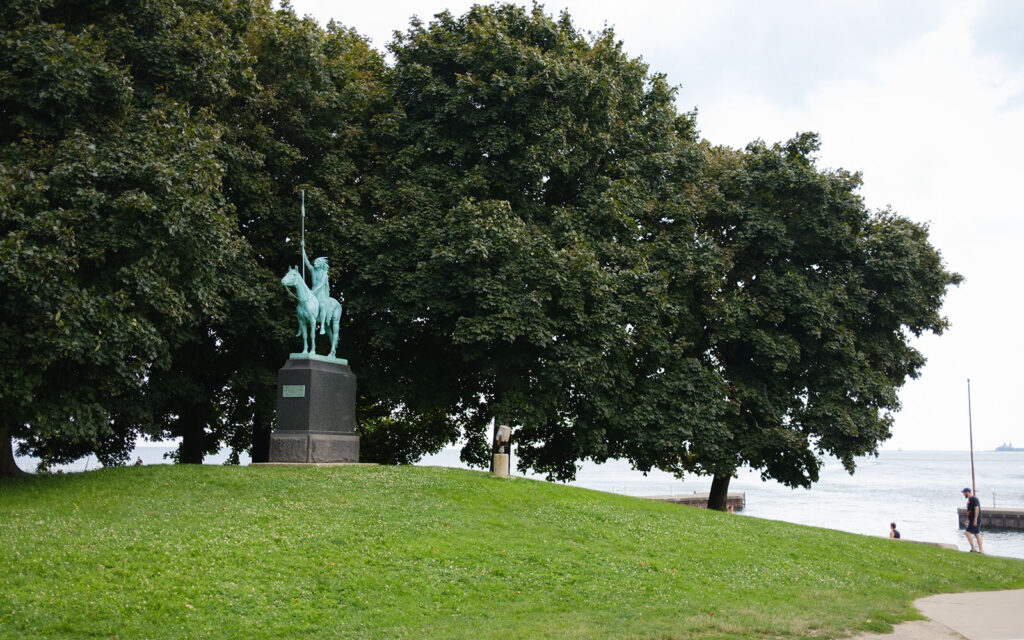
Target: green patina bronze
315,306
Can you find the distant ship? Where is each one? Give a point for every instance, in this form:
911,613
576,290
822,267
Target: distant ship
1009,447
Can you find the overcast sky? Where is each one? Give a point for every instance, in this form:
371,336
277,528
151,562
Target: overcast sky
926,99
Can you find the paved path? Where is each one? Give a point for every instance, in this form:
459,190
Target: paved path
988,615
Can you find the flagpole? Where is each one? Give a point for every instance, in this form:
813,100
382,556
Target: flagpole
970,431
303,249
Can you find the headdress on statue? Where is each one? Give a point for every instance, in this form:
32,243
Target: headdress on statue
320,263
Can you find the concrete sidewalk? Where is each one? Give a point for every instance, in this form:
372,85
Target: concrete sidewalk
987,615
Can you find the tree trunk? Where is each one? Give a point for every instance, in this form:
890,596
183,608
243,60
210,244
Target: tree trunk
8,467
193,436
718,499
260,437
500,386
494,435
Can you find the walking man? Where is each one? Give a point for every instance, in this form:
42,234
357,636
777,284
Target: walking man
973,531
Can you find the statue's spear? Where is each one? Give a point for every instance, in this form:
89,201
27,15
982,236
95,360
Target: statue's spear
303,260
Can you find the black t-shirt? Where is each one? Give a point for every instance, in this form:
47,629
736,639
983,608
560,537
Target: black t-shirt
972,504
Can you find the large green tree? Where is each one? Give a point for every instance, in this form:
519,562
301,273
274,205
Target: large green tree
113,233
321,89
172,136
524,228
300,125
808,315
502,266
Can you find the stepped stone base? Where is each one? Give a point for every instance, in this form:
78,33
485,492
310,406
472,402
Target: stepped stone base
316,412
311,446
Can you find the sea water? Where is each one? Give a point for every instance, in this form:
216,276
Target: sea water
918,490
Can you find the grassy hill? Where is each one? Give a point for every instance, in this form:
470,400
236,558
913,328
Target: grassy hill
421,552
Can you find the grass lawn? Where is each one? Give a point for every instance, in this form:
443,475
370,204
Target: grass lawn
422,552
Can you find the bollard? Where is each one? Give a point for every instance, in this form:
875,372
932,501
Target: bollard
500,461
501,465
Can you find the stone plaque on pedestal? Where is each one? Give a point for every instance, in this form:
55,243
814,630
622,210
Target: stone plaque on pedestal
316,411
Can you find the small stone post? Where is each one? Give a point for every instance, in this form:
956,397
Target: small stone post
501,451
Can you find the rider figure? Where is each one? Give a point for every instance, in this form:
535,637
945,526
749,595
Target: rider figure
320,288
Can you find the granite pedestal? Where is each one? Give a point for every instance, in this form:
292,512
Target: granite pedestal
316,411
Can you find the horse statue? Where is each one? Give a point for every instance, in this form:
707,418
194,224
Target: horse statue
311,310
307,309
330,320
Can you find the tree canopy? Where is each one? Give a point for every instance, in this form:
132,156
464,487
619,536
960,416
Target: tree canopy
503,265
113,231
152,154
523,226
808,317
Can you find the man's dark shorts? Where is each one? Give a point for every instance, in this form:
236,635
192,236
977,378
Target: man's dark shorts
973,528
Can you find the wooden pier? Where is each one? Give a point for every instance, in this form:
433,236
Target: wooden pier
993,518
735,500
